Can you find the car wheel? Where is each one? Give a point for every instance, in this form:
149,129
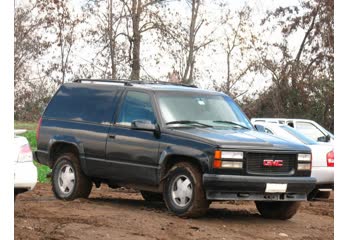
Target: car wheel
152,196
277,210
68,180
183,191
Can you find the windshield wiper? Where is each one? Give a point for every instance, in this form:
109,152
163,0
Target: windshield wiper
188,122
232,123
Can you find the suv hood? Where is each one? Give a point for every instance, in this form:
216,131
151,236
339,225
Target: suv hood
242,139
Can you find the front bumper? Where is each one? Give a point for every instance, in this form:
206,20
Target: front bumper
237,187
25,175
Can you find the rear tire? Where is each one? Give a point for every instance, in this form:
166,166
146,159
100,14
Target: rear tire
277,210
152,196
323,194
318,194
68,180
312,195
183,191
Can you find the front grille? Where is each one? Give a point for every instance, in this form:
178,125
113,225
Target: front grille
255,163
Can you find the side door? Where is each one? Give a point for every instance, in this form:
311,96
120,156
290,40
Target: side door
133,154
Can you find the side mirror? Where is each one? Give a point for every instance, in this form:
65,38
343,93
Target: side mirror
326,138
143,125
260,128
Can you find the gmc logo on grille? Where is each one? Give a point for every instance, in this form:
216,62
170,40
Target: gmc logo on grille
273,163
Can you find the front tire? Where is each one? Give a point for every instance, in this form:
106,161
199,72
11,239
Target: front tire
277,210
68,180
183,192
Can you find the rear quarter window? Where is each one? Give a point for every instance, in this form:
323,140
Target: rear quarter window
84,102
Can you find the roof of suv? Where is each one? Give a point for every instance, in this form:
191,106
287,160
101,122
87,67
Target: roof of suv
155,86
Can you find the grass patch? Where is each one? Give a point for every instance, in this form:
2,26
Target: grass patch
42,172
26,125
42,169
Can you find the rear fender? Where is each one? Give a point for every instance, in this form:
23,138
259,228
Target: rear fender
69,140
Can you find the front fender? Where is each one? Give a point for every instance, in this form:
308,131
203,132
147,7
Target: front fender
199,156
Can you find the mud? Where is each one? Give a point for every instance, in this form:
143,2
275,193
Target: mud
123,214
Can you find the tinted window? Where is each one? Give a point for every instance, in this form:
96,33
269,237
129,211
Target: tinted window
309,130
136,106
83,102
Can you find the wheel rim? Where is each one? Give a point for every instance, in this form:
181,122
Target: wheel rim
182,191
66,179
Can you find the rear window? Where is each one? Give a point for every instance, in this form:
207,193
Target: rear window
84,102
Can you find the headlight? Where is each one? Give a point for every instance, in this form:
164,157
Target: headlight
304,166
304,157
231,164
224,159
231,155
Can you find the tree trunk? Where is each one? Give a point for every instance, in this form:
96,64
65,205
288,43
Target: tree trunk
111,39
227,90
187,77
135,66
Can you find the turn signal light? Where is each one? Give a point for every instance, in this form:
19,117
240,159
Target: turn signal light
217,159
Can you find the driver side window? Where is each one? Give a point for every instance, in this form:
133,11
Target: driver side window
136,106
309,130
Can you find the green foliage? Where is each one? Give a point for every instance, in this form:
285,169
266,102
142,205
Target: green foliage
42,172
31,137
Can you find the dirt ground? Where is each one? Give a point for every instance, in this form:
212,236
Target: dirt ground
118,214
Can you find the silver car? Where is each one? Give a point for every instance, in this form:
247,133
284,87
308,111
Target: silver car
322,157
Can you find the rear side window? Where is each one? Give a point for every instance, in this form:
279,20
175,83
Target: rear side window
84,102
136,106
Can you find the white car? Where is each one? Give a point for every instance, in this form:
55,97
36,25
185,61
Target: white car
307,127
25,171
322,157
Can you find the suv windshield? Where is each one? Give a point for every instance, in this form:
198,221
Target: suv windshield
213,110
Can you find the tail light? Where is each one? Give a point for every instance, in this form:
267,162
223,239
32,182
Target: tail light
330,159
25,154
38,130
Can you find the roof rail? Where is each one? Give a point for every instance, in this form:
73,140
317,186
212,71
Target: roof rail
172,83
125,82
131,82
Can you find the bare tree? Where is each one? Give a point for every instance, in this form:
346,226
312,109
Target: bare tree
144,17
30,45
63,23
303,80
105,33
187,38
239,47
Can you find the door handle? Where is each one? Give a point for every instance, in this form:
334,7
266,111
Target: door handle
111,136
